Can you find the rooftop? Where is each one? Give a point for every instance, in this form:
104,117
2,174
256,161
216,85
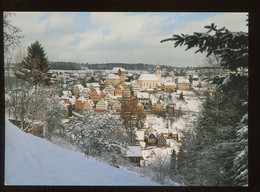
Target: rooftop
148,77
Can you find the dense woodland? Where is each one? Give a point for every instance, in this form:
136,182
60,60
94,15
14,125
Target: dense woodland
109,66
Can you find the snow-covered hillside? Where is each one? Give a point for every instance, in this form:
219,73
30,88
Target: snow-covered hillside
30,160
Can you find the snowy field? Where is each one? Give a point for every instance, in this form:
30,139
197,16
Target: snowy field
30,160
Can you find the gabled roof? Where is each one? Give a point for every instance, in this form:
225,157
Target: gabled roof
143,95
137,85
120,86
66,93
169,83
113,76
97,90
79,86
90,102
110,87
161,136
64,97
72,100
102,101
183,80
111,96
82,99
148,77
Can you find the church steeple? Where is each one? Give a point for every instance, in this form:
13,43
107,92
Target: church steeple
158,73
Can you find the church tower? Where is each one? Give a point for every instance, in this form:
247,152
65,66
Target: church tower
158,73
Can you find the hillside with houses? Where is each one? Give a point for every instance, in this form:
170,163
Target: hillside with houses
171,104
97,101
105,98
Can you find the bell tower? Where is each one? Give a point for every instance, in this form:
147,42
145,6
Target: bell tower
158,73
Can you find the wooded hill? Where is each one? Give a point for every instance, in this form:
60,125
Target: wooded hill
110,66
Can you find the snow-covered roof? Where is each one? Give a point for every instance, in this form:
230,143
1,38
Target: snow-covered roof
91,102
79,86
113,76
134,151
82,99
116,69
121,87
142,143
148,77
95,85
72,100
64,97
171,142
183,80
86,90
169,83
143,95
136,84
102,101
111,87
139,135
66,93
98,91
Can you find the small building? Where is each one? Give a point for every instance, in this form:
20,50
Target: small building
117,106
120,72
161,141
134,154
140,105
180,135
89,105
67,93
147,81
142,144
136,88
143,97
158,106
110,90
127,93
110,99
65,98
119,91
95,95
102,106
102,94
169,87
151,140
79,104
174,135
183,84
86,93
93,85
113,80
78,89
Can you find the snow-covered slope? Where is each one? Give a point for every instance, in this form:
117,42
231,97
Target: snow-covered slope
30,160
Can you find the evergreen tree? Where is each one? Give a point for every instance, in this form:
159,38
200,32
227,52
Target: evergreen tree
173,165
212,155
35,67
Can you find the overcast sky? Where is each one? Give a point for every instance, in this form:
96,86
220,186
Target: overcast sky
95,37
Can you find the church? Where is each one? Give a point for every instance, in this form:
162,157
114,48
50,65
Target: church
116,77
150,81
